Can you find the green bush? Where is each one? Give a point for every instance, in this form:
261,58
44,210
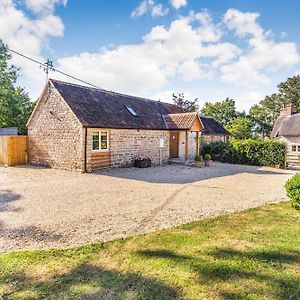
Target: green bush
198,157
255,152
292,187
207,156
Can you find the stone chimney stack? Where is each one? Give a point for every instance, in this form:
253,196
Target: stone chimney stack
288,110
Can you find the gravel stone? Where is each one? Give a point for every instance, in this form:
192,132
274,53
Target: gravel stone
47,208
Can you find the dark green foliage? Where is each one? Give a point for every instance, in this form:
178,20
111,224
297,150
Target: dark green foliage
15,105
292,187
198,157
255,152
185,104
222,111
207,156
240,128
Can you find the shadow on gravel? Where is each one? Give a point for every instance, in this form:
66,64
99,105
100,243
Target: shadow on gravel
179,174
6,197
28,234
89,282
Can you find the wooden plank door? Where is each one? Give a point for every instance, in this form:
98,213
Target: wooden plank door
174,144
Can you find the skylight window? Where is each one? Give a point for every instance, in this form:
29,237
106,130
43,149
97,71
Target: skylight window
130,109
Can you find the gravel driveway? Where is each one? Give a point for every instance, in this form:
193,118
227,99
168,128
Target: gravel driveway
42,208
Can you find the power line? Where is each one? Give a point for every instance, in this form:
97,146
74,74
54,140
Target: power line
48,66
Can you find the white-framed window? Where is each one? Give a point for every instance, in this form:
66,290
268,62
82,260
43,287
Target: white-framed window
100,140
295,148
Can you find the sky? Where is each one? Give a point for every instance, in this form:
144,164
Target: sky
207,49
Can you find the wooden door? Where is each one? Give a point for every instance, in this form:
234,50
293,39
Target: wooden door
174,144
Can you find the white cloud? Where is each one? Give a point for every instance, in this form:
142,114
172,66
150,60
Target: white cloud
28,36
167,96
159,11
43,6
249,99
178,3
263,55
165,53
145,6
283,34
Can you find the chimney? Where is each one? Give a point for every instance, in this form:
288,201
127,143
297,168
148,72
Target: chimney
288,110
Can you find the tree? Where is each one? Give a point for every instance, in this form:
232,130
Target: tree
240,128
222,111
15,105
184,104
266,113
290,91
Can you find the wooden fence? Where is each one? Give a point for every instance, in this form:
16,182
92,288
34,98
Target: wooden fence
13,150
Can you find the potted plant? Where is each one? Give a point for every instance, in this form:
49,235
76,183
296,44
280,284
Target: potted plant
207,160
198,161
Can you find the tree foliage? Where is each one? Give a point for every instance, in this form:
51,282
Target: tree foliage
185,104
223,111
15,105
267,111
240,128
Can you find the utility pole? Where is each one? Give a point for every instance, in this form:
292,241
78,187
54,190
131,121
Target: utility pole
46,67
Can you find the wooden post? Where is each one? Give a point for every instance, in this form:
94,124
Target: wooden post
187,147
197,142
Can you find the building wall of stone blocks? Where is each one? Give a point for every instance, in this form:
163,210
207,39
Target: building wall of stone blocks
55,136
126,144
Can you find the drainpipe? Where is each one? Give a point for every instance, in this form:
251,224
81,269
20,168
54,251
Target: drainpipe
85,151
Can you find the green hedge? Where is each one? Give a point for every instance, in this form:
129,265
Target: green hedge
255,152
292,187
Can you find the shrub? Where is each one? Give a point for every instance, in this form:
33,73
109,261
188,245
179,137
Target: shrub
256,152
198,157
292,187
207,156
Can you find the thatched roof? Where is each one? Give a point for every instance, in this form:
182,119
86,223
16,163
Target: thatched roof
287,126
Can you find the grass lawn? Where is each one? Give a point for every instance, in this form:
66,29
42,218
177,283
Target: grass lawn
254,254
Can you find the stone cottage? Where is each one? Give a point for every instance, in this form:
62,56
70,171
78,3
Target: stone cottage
287,129
84,128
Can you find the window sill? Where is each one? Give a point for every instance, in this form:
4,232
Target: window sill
97,151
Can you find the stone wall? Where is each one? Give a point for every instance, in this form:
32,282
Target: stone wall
55,136
126,144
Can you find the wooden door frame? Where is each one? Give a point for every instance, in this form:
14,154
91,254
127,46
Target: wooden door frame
178,136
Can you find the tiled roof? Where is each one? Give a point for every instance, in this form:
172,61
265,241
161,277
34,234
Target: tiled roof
105,109
100,108
212,127
181,120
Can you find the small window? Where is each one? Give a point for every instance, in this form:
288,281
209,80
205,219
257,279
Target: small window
99,140
294,148
130,109
298,148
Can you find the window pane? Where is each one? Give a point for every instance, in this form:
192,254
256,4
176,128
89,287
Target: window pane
95,141
104,140
298,149
294,148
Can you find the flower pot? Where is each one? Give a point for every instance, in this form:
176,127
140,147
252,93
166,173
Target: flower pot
208,163
198,164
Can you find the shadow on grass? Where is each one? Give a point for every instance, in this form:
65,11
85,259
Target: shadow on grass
229,268
91,282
